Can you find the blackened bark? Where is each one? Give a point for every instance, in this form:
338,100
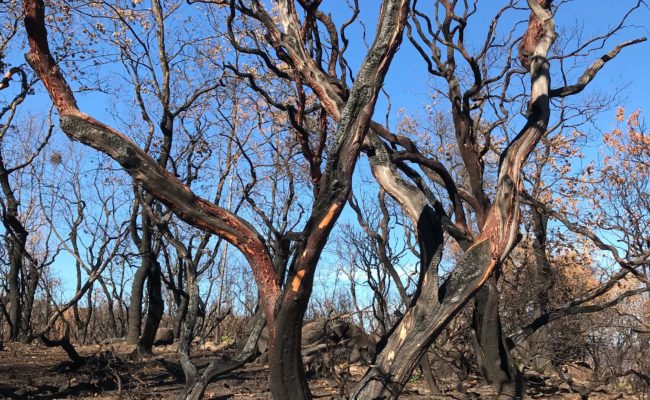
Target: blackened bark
149,272
493,356
155,304
135,304
181,314
422,324
28,302
109,304
427,222
13,281
85,322
187,334
496,363
388,178
155,308
65,344
469,148
15,242
286,371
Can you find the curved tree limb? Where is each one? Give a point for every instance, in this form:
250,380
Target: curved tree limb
142,167
592,70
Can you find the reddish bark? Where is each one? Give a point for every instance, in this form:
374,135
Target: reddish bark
532,36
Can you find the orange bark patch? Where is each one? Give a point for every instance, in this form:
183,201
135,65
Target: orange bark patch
532,36
297,280
328,217
487,273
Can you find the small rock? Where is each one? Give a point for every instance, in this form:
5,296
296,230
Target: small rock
164,337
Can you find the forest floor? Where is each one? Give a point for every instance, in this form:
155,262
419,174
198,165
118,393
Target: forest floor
37,372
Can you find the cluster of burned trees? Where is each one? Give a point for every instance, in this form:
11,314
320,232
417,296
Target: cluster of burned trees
245,132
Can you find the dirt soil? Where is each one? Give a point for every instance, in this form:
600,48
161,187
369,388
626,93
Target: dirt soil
37,372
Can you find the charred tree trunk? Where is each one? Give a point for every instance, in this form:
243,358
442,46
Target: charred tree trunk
181,314
155,309
137,286
408,342
112,321
187,334
286,371
422,324
149,272
378,157
15,234
493,356
28,303
15,242
494,359
429,314
13,281
135,305
64,342
87,317
152,273
286,377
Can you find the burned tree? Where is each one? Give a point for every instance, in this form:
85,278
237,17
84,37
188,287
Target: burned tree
284,310
24,267
297,47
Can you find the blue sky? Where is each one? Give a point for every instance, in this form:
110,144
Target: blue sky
409,85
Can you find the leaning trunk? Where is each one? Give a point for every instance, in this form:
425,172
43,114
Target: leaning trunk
423,323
